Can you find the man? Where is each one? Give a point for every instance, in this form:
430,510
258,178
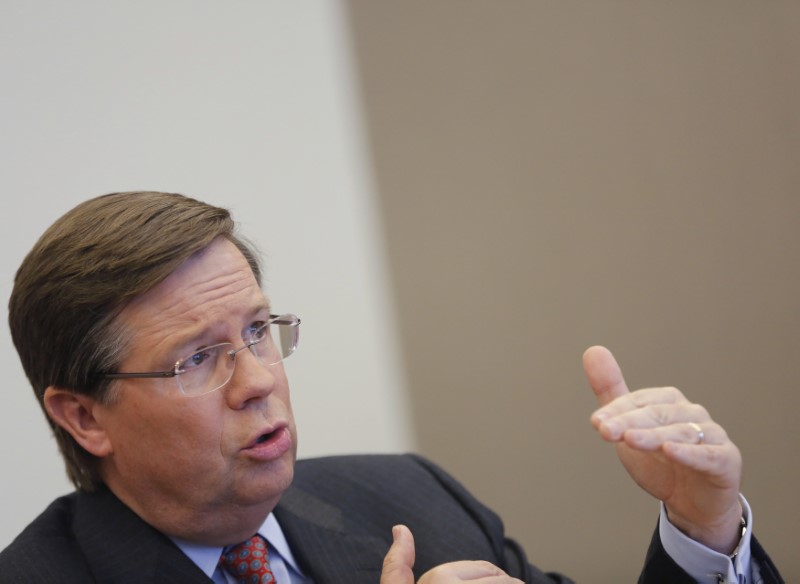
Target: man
143,329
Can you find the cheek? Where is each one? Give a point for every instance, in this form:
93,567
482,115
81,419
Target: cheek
281,390
169,438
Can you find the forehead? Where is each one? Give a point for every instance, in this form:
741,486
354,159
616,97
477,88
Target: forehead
213,285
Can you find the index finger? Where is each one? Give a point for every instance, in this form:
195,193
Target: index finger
604,375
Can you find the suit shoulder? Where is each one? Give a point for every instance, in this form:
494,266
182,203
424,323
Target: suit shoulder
384,472
54,522
375,492
382,464
404,484
50,535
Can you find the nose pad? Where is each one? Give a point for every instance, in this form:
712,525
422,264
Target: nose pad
254,352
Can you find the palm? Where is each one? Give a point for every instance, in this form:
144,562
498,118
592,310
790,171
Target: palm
684,490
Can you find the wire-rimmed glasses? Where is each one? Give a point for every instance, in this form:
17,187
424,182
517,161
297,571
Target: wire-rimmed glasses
210,368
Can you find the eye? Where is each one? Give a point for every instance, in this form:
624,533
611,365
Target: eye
198,359
258,331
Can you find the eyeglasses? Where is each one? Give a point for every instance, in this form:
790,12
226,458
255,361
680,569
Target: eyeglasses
212,367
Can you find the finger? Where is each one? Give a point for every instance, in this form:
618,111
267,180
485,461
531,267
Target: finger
723,460
605,418
690,433
398,563
652,416
642,398
632,402
499,579
604,374
475,572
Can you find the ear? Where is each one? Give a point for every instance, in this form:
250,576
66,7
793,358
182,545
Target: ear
75,413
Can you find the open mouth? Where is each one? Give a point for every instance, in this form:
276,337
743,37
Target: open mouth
270,445
268,436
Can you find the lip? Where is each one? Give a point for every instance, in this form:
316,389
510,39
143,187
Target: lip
279,442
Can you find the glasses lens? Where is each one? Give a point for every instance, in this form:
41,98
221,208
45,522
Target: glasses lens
279,341
205,370
212,367
287,330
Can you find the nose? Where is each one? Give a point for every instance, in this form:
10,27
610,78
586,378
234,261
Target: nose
252,379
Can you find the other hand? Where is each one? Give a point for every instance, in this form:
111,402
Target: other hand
657,434
399,561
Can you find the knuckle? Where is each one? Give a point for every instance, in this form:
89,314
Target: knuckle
674,394
661,414
488,566
639,398
689,411
699,411
388,562
714,456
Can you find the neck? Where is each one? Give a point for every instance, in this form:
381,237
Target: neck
219,525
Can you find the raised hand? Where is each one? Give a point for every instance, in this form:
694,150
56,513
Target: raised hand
673,450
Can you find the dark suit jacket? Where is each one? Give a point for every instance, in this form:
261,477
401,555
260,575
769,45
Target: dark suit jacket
337,517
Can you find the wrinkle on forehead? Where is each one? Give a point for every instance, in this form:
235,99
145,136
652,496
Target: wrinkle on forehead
200,293
182,300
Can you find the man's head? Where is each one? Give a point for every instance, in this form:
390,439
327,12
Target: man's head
134,282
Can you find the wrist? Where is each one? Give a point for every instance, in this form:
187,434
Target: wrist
721,534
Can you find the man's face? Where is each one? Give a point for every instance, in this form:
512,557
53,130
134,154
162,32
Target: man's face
200,467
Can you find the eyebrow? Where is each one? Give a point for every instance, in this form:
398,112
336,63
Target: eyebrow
185,341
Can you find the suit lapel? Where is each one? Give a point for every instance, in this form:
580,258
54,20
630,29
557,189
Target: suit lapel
123,549
327,549
328,544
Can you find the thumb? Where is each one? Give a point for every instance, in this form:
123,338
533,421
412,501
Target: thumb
604,374
399,560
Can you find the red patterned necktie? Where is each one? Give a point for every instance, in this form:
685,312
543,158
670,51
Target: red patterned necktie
248,562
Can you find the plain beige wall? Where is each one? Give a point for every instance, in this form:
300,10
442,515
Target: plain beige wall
559,174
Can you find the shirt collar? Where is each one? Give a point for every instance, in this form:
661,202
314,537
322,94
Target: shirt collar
273,533
207,557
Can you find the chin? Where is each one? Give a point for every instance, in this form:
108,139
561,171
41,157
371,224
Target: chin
268,488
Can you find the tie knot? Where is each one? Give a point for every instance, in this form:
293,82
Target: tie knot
248,562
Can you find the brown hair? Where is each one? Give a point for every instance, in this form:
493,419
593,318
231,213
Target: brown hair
78,277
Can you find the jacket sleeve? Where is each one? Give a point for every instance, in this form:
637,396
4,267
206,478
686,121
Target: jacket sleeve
660,568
